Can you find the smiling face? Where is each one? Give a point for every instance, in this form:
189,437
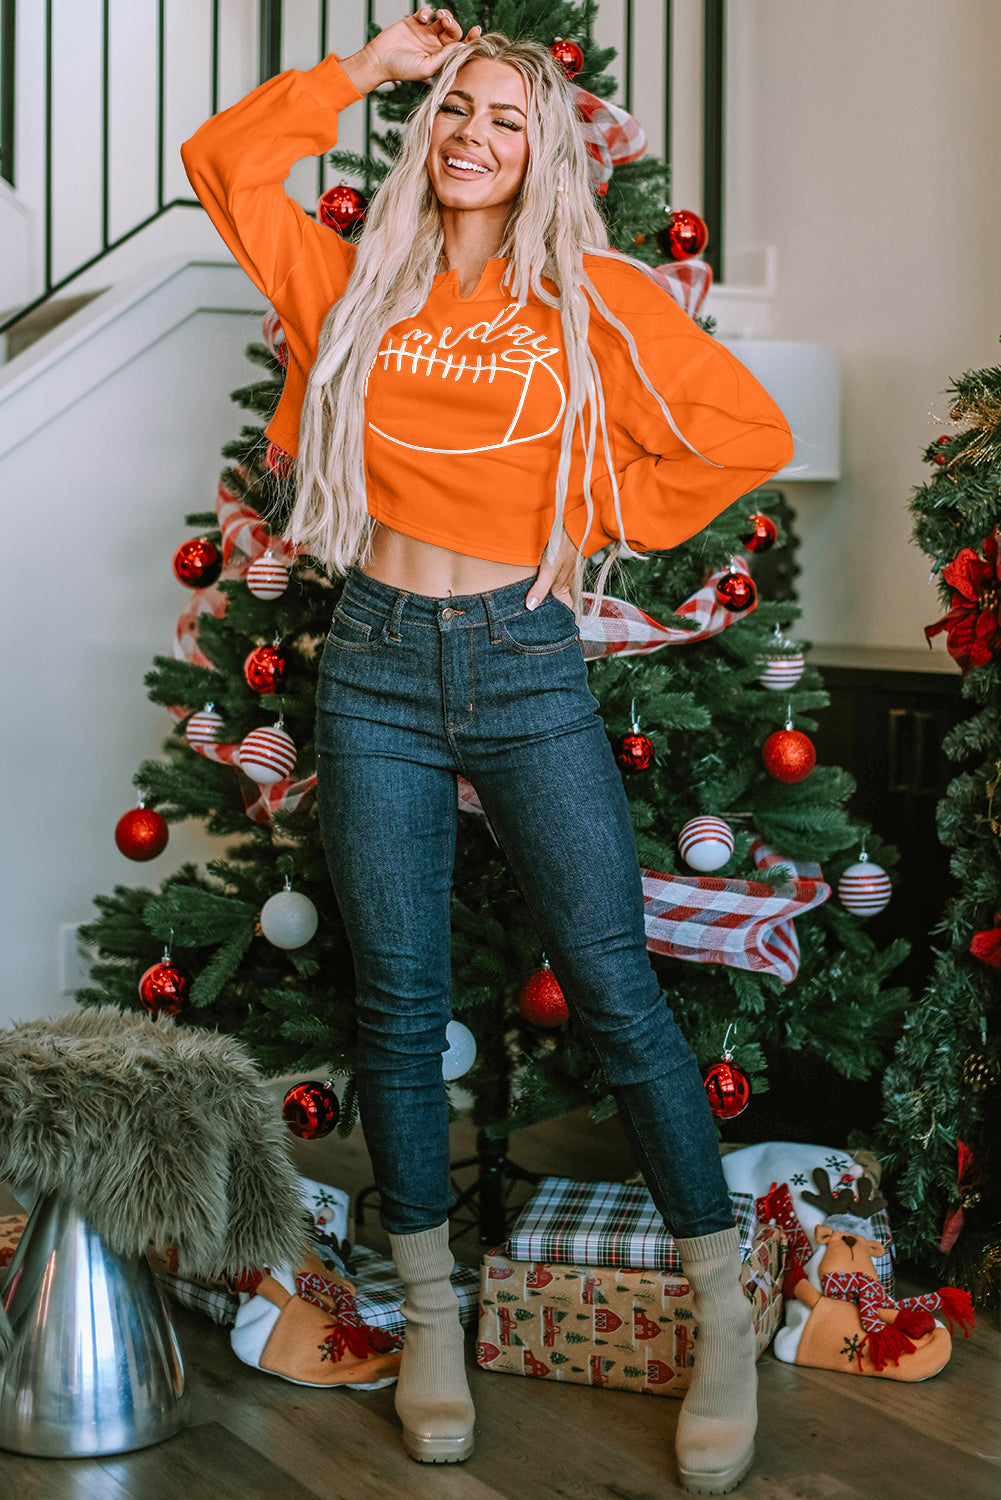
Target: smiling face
479,141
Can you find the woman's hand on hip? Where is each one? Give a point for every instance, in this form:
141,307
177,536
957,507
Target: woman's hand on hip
557,580
415,47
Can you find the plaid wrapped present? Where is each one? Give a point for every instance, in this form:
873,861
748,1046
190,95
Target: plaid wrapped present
605,1224
607,1326
379,1291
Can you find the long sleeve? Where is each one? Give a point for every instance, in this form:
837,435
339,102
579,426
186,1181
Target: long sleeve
237,163
667,493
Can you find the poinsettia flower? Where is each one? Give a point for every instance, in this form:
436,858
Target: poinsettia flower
973,624
987,945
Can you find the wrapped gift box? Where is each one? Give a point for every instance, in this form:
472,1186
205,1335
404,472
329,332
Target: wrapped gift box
379,1291
629,1327
567,1222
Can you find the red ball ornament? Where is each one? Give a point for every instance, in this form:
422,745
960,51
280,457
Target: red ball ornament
281,464
944,438
635,752
163,989
541,1000
728,1088
265,669
141,834
684,235
788,755
736,592
569,56
198,563
940,458
762,534
341,207
311,1110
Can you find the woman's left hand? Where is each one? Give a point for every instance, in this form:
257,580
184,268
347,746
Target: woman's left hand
556,580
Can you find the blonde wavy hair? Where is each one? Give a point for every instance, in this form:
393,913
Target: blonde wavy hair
546,236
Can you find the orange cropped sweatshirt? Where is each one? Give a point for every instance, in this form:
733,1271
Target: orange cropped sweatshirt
464,403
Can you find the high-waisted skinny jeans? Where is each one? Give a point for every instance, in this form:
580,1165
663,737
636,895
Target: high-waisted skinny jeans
413,690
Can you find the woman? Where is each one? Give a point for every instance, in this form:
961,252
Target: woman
481,398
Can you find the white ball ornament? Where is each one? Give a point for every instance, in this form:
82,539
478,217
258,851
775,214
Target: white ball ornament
864,889
267,577
460,1054
706,843
204,728
289,919
267,755
781,672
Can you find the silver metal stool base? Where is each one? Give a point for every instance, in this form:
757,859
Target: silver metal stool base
94,1367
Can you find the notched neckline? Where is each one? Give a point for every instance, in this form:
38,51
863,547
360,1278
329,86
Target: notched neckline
450,278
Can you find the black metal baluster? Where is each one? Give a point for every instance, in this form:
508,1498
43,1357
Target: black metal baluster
713,64
8,34
215,57
269,35
105,124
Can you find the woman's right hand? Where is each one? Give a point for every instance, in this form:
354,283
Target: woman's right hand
415,47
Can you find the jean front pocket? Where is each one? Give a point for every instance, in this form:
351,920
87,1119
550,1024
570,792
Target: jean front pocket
542,631
354,627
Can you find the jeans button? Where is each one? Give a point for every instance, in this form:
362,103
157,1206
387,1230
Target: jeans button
448,613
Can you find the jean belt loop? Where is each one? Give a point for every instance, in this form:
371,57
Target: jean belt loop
493,619
396,615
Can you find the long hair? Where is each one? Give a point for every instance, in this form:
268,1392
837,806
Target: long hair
546,236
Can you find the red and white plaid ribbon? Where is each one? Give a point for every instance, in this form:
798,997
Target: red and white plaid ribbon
611,136
621,629
688,281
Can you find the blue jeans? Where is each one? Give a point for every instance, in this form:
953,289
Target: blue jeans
412,691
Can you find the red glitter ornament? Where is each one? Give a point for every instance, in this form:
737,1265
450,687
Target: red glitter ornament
141,834
788,755
265,669
198,563
684,235
762,534
163,989
541,1000
311,1110
736,592
569,56
341,207
728,1088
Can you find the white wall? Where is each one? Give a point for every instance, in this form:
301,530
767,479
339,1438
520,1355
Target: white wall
96,497
863,143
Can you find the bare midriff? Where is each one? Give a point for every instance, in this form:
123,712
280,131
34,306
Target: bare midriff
405,562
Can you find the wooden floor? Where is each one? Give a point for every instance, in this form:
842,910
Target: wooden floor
822,1436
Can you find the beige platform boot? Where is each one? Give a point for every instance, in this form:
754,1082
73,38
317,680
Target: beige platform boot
715,1439
432,1396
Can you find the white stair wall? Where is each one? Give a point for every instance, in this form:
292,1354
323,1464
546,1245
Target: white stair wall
110,431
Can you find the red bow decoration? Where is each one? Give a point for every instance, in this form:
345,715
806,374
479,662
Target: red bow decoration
987,945
968,1180
973,624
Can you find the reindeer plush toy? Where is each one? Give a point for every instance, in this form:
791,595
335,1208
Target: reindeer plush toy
847,1320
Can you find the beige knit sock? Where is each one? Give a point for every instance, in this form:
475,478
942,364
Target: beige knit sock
432,1396
715,1439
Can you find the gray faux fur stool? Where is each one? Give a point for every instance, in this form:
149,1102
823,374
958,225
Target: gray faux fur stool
127,1130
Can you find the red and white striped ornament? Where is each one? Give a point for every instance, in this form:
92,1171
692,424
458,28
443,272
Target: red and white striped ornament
267,577
864,888
281,464
267,755
274,337
781,672
706,843
204,728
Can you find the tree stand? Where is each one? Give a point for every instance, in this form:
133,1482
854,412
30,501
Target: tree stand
484,1200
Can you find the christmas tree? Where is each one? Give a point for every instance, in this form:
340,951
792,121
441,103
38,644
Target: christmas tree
943,1126
708,702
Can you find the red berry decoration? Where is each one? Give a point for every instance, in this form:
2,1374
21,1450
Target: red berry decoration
265,669
940,458
762,534
341,207
788,755
198,563
569,56
141,834
684,235
311,1110
728,1088
541,1000
736,592
163,989
943,438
